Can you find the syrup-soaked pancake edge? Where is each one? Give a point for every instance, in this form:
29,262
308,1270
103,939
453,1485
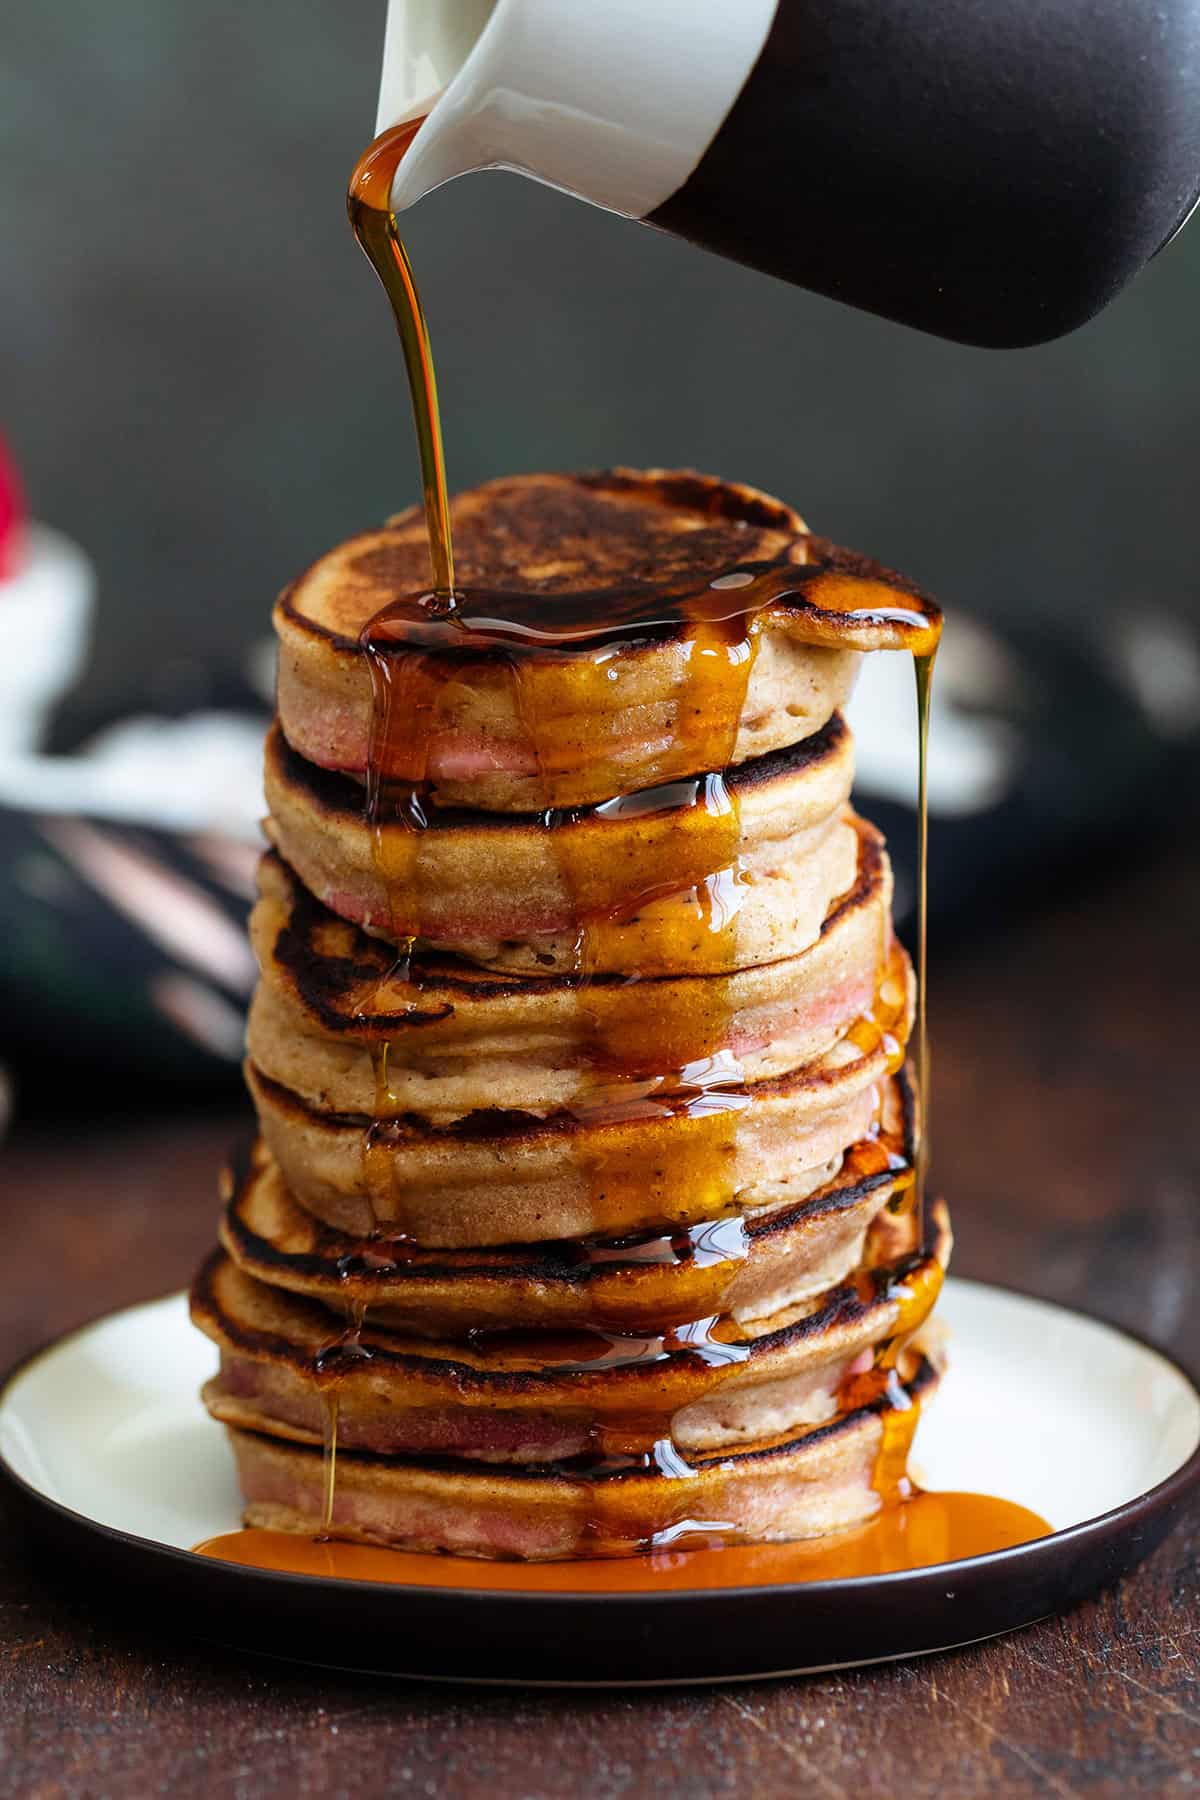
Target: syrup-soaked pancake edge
533,1395
322,1273
824,1080
330,993
663,1158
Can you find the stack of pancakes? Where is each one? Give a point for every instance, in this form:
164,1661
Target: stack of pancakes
582,1217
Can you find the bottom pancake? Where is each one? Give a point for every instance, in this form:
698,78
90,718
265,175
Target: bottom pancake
808,1486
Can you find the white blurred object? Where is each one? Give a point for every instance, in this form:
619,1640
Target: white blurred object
260,665
200,773
45,614
1157,654
972,758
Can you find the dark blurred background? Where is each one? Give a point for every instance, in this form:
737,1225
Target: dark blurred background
200,386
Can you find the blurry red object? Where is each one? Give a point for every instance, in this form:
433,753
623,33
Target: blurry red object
12,515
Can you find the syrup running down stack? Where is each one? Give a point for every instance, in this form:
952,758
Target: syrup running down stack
583,1217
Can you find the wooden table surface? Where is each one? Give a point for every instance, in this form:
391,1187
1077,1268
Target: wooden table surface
1066,1140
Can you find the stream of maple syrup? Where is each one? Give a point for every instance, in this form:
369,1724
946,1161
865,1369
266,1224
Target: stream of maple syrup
416,648
368,204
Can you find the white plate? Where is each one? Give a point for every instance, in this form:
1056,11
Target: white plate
107,1442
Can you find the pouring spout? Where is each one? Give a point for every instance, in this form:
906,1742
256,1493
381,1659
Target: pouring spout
615,103
446,145
426,44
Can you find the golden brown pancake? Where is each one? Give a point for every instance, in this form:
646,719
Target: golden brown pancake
460,1038
557,535
746,1267
537,1396
504,889
817,1482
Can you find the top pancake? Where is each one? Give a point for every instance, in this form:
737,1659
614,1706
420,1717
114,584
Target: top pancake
556,535
613,715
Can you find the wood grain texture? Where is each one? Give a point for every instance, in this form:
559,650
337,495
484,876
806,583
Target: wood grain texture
1065,1137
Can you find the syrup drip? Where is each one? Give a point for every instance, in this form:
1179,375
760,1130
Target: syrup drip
923,669
329,1366
914,1287
900,1412
700,930
715,1242
375,1151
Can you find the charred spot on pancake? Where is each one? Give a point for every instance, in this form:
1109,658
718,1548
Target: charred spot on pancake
699,493
326,788
329,960
792,759
832,1199
238,1170
322,974
475,1127
906,1089
532,1263
204,1302
560,535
